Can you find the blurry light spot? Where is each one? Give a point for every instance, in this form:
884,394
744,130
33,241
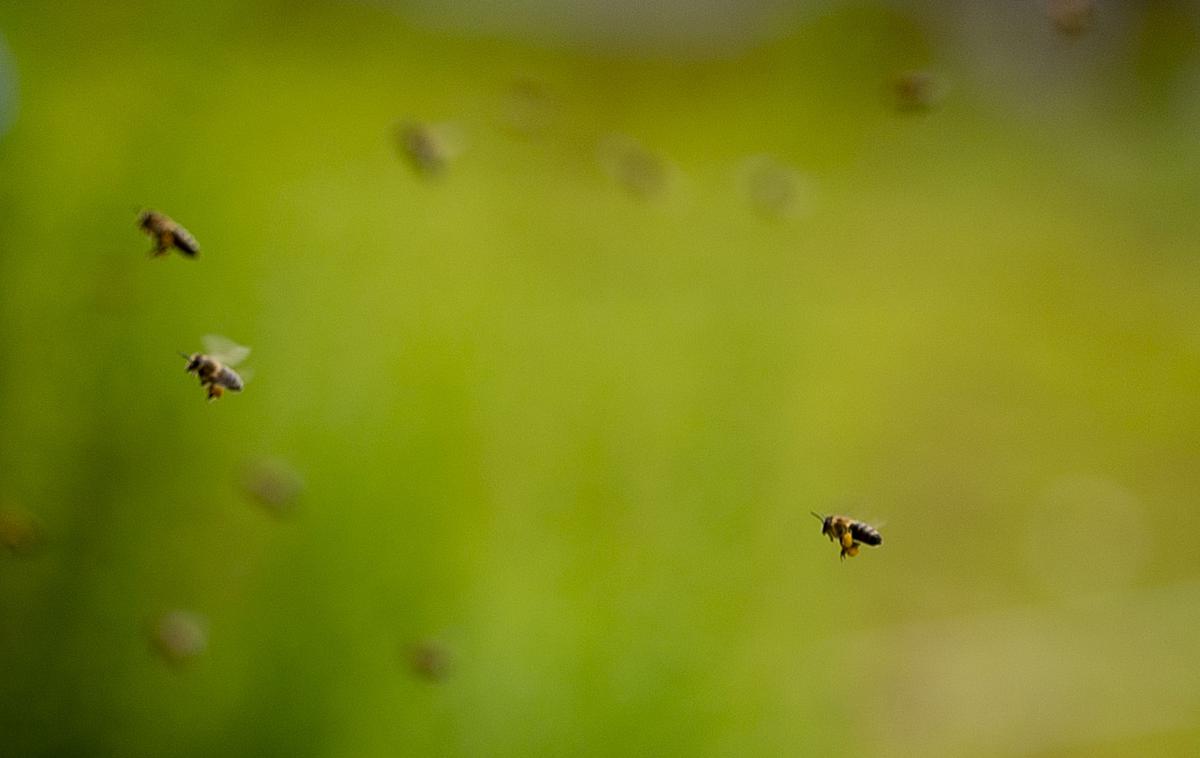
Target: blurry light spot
1086,535
180,636
273,484
1071,17
914,91
20,533
429,660
633,167
773,189
428,148
1027,681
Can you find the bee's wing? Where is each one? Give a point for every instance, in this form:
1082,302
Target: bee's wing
225,350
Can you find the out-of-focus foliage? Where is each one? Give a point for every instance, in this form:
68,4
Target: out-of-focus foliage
546,424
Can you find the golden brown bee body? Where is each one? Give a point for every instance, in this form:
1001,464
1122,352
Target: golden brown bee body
849,533
167,234
214,369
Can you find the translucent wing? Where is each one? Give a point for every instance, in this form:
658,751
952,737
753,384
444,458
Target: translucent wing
225,350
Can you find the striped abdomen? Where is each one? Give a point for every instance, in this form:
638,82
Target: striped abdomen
229,379
185,242
865,533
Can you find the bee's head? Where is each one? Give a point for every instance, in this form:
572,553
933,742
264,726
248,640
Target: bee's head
193,361
824,521
144,219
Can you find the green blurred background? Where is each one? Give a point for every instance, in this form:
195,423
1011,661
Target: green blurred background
563,426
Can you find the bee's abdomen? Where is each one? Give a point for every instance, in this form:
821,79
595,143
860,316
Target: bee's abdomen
186,242
229,379
865,534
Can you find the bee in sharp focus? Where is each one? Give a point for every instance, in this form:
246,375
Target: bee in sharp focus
215,368
167,234
849,533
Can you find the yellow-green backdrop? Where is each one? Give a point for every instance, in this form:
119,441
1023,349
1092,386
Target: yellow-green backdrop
570,432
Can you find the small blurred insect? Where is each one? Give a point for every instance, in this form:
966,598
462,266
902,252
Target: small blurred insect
629,163
774,189
527,109
429,660
429,148
915,91
1071,17
167,234
273,484
20,532
848,532
179,636
215,367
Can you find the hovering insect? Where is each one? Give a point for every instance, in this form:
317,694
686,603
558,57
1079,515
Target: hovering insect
1071,17
848,532
429,148
915,91
167,234
215,368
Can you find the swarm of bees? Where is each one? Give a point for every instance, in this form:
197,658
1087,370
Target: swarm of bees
167,234
849,533
215,367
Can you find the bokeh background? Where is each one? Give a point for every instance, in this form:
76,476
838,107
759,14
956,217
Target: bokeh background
564,315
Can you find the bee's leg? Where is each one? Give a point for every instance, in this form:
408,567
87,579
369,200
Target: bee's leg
847,540
852,550
214,392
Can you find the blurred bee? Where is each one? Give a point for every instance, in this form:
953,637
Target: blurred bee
180,636
20,532
167,234
1071,17
428,148
849,533
429,660
914,91
215,368
634,167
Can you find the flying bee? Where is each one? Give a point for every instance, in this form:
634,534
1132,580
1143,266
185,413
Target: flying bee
916,91
429,148
849,533
1071,17
167,234
215,368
